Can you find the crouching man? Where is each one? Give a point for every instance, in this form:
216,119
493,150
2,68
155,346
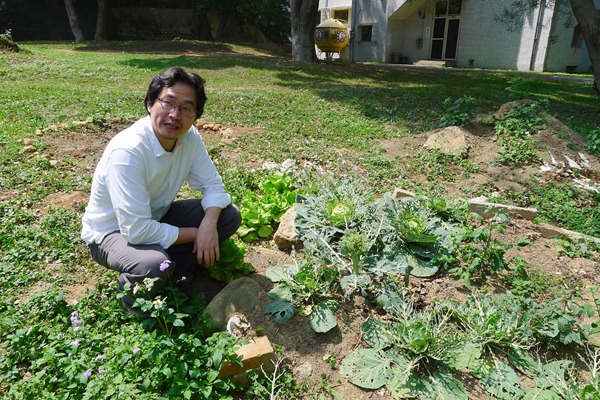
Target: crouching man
132,223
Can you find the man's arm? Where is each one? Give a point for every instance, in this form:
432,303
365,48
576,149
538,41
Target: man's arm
207,240
205,237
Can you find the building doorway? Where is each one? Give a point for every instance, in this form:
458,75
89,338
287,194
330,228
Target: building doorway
446,23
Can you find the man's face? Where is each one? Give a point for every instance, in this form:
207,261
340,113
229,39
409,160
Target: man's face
168,113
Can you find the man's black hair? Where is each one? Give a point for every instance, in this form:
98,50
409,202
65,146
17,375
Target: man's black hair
172,76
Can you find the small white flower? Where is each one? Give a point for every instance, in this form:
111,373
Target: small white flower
149,284
158,303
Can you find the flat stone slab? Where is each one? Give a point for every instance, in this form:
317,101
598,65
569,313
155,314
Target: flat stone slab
550,232
488,210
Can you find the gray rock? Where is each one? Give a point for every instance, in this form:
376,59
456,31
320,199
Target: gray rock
450,140
304,370
286,236
238,297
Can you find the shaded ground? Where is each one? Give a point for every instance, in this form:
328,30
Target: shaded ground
305,350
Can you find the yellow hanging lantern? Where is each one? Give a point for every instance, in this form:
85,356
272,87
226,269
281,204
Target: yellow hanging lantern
331,35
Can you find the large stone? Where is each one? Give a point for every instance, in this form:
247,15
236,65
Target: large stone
286,236
450,140
239,296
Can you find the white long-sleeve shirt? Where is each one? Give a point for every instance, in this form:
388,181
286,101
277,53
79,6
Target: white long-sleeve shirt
136,181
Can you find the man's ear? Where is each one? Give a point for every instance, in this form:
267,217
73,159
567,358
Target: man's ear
148,107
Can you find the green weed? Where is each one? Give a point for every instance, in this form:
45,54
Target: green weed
458,112
516,131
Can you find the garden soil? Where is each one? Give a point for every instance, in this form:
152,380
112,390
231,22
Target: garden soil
316,357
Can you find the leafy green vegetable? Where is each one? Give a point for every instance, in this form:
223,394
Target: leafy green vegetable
231,265
367,368
260,211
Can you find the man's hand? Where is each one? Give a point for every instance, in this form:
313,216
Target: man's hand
206,245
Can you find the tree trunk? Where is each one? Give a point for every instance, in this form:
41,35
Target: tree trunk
588,18
203,26
224,12
100,35
304,20
74,21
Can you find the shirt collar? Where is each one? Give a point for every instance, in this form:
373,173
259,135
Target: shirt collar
157,148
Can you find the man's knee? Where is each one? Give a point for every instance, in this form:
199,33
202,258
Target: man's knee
230,221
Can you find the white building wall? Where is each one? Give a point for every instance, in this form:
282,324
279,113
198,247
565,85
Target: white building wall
327,6
486,43
417,37
370,13
561,56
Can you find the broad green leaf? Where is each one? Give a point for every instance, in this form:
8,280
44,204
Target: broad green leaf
504,383
281,292
481,368
376,333
441,385
423,251
401,387
464,355
392,303
389,264
117,379
322,318
282,310
552,373
523,361
366,368
244,230
540,394
265,231
278,274
250,237
419,267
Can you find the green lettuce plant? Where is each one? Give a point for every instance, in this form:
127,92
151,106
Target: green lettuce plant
261,211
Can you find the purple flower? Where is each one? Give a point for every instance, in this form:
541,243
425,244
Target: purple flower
99,357
87,373
136,350
164,265
75,318
122,340
75,343
77,328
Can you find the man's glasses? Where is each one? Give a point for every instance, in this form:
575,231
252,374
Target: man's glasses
169,106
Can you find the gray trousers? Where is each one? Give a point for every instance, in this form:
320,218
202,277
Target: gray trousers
137,262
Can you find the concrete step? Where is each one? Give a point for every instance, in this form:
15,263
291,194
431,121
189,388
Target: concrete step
435,63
